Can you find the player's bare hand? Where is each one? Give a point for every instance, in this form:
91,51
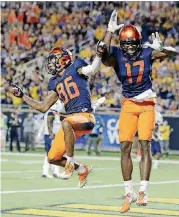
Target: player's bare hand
101,48
157,43
112,25
17,91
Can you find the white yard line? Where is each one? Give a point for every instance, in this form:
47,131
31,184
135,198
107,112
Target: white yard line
34,171
100,158
20,171
85,188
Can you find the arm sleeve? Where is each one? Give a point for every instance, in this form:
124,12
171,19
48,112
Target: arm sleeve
93,68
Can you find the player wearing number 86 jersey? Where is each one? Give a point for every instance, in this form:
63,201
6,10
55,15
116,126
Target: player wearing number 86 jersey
69,84
132,63
73,88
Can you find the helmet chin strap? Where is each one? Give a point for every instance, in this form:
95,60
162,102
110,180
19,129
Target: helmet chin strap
63,68
135,54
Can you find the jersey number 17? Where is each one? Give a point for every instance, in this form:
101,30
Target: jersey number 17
139,63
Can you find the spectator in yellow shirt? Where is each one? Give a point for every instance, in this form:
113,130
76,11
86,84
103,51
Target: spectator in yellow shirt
165,131
34,91
99,33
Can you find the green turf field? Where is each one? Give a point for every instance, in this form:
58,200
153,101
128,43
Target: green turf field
25,193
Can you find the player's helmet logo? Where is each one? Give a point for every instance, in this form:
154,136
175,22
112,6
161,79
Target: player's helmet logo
57,60
130,40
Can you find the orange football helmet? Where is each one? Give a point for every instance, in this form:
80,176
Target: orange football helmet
57,60
130,40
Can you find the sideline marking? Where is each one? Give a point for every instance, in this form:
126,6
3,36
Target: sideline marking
45,212
164,200
116,208
85,188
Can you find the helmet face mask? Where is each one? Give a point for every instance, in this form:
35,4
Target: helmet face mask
130,40
130,48
51,64
57,60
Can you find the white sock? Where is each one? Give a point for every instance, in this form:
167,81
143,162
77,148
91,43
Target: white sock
46,166
144,186
70,159
156,163
81,169
56,170
52,168
128,186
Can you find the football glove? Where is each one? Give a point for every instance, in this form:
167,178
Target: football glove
101,48
157,43
17,91
112,25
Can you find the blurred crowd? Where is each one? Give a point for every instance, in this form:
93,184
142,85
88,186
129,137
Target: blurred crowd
31,29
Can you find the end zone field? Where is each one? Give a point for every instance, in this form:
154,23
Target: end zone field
25,193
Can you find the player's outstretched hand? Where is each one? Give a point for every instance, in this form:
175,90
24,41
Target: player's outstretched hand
101,48
157,43
17,91
112,25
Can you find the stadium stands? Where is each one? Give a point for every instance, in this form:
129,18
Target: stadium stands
30,29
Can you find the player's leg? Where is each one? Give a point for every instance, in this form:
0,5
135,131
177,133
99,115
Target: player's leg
157,155
127,130
89,145
74,126
166,147
99,144
79,129
55,156
153,150
12,136
25,140
69,137
145,129
32,141
45,168
56,171
96,144
57,150
46,165
135,145
18,141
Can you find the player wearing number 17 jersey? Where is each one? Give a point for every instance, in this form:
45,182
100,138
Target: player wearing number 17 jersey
69,84
132,63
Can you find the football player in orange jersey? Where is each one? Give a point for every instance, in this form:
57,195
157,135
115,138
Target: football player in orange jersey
132,63
69,84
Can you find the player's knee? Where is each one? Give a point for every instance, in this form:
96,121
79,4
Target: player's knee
125,147
52,157
66,125
51,161
145,146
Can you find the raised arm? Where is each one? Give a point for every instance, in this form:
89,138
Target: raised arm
159,51
107,59
91,69
42,106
